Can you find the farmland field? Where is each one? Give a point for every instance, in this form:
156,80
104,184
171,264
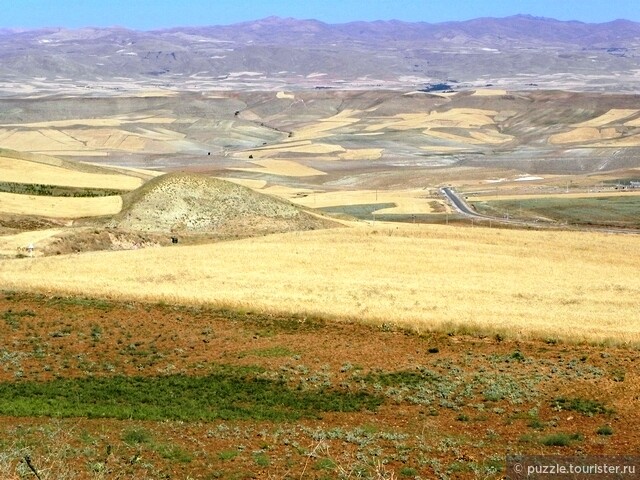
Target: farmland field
423,277
608,211
235,304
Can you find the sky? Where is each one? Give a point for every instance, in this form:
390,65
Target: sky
158,14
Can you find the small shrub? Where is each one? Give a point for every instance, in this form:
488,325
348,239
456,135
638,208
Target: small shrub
605,430
325,464
581,405
560,439
173,453
536,424
228,454
517,355
408,472
261,459
136,436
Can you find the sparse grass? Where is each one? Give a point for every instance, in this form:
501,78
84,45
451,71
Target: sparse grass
12,319
584,406
269,352
560,439
618,211
59,207
55,190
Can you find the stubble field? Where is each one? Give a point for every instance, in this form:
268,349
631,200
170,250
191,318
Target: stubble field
556,284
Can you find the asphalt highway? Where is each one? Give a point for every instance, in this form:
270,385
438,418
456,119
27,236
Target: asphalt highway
463,207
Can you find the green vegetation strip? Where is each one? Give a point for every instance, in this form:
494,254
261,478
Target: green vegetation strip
621,210
57,190
230,393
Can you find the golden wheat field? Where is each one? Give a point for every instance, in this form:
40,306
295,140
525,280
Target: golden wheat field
26,171
557,284
59,207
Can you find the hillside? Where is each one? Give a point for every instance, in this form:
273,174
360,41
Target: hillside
189,203
514,52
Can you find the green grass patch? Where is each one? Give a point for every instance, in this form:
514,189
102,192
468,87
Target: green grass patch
261,459
228,454
560,439
325,464
229,393
605,430
584,406
81,302
408,472
616,211
12,319
137,436
402,378
56,190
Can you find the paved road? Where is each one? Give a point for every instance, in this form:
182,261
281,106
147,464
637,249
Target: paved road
459,204
463,207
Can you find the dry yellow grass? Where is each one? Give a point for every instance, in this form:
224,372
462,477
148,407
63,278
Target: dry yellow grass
489,93
407,201
611,116
560,284
9,244
59,207
94,122
456,117
584,134
362,154
611,193
88,141
26,171
285,95
285,168
320,129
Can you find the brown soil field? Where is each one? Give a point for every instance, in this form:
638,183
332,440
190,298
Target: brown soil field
449,405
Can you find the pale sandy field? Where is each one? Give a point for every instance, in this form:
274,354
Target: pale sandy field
59,207
489,92
286,168
25,171
490,197
563,285
9,244
613,115
415,201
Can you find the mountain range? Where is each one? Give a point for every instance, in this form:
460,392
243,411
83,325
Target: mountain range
519,52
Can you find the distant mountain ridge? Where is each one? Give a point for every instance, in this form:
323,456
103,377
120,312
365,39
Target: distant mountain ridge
285,51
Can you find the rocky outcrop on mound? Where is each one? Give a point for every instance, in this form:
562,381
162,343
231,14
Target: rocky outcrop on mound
196,204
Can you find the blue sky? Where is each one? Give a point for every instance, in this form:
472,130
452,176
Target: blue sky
155,14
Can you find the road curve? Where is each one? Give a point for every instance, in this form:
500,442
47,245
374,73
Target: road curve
463,207
460,205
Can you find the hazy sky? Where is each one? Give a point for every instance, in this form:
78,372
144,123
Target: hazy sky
153,14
